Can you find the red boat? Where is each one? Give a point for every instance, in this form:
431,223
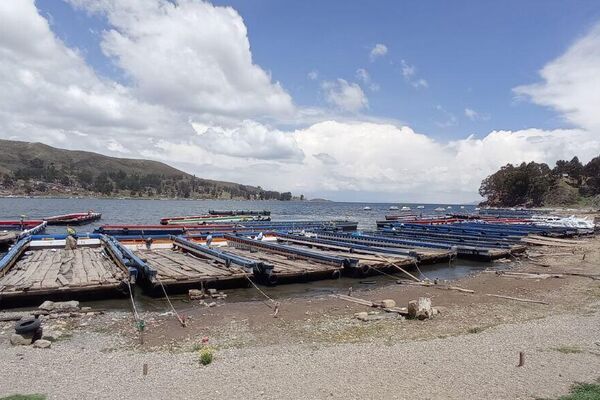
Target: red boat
74,218
12,225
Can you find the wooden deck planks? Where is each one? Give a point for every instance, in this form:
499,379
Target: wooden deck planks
283,264
45,269
180,266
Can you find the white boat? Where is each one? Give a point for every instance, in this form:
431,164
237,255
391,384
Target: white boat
393,207
462,207
449,207
420,207
440,209
405,208
367,208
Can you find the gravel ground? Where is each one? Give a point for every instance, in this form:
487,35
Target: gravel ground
480,365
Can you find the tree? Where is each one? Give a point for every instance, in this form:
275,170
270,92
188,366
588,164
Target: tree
525,185
102,184
286,196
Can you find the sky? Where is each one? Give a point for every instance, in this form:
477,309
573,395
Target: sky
391,101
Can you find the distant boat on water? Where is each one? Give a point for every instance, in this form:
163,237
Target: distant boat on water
405,208
420,207
440,209
393,207
367,208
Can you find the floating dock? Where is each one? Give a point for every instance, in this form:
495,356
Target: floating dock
74,218
381,239
253,226
174,264
11,231
40,268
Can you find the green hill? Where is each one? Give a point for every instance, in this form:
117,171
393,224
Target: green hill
38,169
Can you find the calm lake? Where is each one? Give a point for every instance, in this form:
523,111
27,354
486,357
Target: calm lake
116,211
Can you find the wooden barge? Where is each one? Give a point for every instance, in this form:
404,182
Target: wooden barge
416,255
11,231
209,219
40,268
74,218
467,251
240,212
254,226
179,265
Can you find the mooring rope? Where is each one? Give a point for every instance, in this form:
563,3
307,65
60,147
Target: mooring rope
275,303
139,323
393,277
389,262
181,320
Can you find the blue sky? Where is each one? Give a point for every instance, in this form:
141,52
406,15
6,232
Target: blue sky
288,95
471,53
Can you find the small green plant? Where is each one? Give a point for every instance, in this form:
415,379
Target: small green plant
24,397
206,355
583,391
568,349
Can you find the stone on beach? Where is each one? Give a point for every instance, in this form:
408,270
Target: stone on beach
52,306
20,340
42,344
420,309
388,303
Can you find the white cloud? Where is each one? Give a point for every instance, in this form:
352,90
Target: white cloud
475,116
191,56
409,72
363,75
571,83
249,139
313,75
379,50
49,94
350,160
345,96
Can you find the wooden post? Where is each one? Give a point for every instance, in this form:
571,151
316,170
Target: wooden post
145,369
521,359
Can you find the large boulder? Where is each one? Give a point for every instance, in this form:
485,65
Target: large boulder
420,309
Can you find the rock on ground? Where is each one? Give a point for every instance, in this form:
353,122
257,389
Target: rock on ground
42,344
20,340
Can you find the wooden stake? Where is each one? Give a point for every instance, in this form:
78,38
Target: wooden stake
145,369
517,299
521,359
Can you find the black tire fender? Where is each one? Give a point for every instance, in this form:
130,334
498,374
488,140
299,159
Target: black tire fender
27,325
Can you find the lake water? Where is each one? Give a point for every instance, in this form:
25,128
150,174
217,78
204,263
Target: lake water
116,211
123,211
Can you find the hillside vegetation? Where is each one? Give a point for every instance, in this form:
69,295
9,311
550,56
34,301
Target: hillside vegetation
39,169
569,183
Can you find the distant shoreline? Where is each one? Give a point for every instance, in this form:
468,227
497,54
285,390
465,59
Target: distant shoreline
139,198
